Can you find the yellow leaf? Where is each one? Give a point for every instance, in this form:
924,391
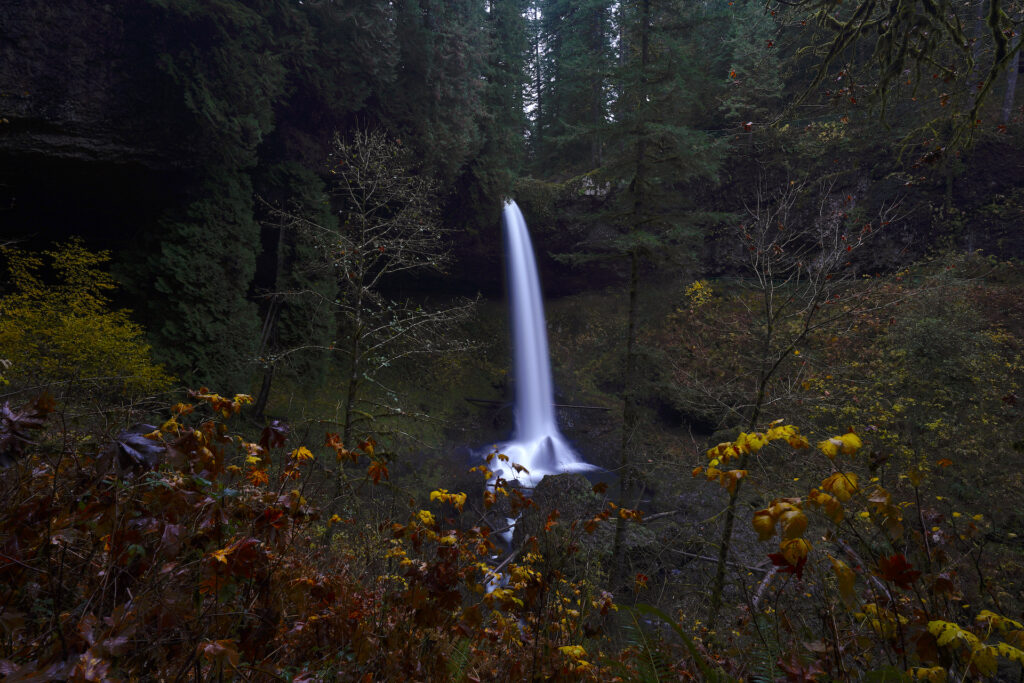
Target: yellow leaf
983,657
946,632
302,453
781,432
935,674
832,508
1010,652
752,442
764,525
842,485
851,443
221,555
846,580
426,518
830,447
997,621
793,523
574,651
798,441
795,549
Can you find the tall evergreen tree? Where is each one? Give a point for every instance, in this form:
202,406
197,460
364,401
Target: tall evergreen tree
575,62
436,98
490,175
656,156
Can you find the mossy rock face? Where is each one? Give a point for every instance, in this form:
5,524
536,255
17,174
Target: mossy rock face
562,505
570,494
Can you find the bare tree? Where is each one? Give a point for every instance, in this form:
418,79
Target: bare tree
387,226
804,280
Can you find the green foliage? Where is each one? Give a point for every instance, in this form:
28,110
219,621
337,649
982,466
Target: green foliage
56,325
299,320
573,93
203,324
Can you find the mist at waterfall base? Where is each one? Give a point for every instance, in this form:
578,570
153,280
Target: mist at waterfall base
537,444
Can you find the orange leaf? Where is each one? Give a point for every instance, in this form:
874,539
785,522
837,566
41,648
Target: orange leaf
377,470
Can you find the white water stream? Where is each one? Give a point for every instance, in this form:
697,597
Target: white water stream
537,444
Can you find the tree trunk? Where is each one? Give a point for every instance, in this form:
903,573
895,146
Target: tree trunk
270,329
1012,71
627,475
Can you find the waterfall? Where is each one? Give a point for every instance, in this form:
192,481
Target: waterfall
537,444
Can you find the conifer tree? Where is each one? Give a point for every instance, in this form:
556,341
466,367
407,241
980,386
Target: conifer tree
574,89
655,157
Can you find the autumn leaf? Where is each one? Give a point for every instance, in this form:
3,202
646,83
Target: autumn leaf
764,525
846,580
552,520
830,447
378,470
795,550
793,524
368,446
301,454
897,570
221,555
573,651
426,518
785,567
831,506
274,434
841,485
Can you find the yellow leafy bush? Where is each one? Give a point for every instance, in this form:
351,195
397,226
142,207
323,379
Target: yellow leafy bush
64,330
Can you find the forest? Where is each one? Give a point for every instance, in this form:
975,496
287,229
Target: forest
257,377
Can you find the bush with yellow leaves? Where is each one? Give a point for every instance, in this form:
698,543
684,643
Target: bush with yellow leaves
63,331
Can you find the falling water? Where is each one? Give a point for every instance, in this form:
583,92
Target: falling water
537,444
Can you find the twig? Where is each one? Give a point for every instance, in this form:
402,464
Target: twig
715,559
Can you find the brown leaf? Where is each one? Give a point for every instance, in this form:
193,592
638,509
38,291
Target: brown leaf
274,435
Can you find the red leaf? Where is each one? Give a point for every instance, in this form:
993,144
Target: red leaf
779,560
897,570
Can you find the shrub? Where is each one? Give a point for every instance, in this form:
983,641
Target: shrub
64,331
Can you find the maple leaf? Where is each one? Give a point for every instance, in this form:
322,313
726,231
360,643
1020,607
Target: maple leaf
274,434
302,453
378,470
897,570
